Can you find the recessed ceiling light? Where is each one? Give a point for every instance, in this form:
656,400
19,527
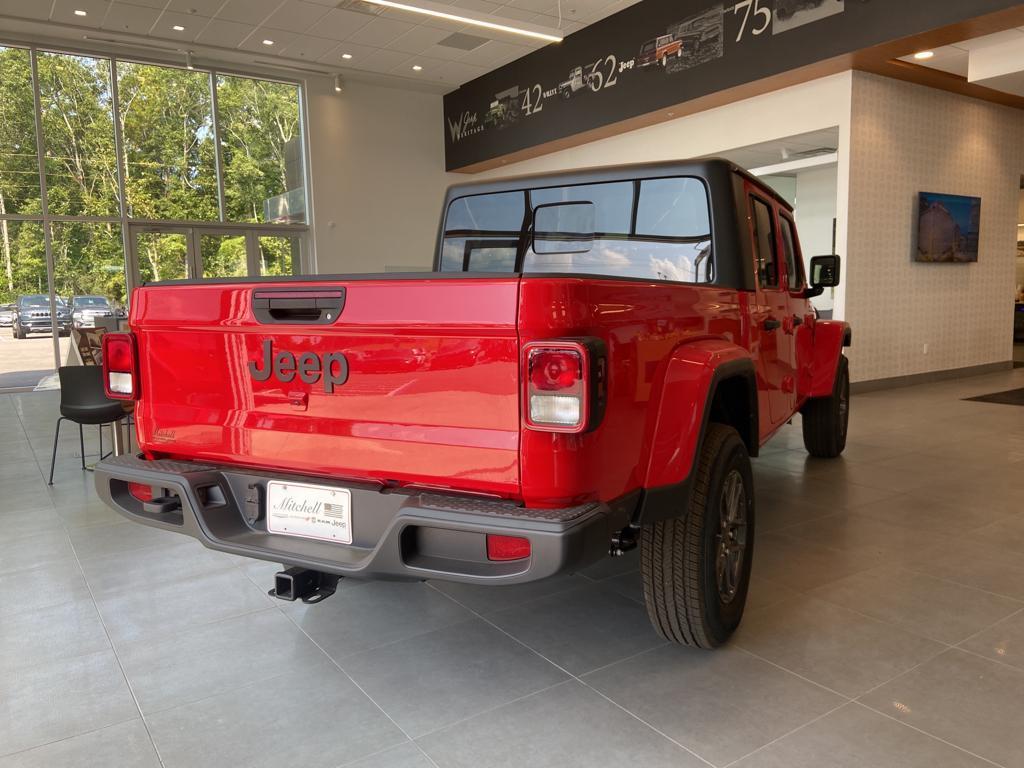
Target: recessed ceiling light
922,55
178,28
346,55
464,16
268,42
416,67
81,13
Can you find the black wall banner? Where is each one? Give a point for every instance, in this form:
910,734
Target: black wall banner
659,53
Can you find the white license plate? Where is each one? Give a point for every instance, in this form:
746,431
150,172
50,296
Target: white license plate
312,511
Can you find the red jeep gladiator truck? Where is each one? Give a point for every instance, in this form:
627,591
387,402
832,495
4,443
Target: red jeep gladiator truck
588,369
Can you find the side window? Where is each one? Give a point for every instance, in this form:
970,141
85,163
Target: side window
764,245
481,233
794,271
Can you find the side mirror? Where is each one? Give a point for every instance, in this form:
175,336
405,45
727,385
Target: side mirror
824,274
563,228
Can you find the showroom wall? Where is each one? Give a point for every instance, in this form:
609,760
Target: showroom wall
815,207
377,160
908,317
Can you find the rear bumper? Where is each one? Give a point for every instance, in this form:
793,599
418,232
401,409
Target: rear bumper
396,535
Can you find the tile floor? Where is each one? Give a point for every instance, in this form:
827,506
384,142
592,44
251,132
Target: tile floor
885,628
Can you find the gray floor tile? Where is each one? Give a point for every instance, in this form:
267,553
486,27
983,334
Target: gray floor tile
1007,533
63,631
975,565
125,746
582,629
799,566
856,737
923,513
486,600
918,603
403,756
123,536
1001,642
42,587
721,705
966,700
29,522
315,719
869,540
62,698
133,614
607,567
168,562
569,726
373,614
842,650
203,661
432,680
26,552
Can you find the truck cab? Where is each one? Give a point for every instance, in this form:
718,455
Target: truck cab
589,369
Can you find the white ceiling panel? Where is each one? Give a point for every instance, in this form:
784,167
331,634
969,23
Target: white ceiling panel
64,12
339,24
494,53
418,39
296,16
386,61
279,38
193,24
224,34
136,19
248,11
26,9
457,72
358,52
311,48
208,8
381,31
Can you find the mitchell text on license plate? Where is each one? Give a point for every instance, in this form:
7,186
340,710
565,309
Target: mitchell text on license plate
312,511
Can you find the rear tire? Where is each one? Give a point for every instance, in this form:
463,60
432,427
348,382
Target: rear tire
826,419
696,567
18,332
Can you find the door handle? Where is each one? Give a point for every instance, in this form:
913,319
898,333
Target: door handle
298,306
797,320
771,324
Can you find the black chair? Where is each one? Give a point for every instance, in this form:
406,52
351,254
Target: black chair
83,401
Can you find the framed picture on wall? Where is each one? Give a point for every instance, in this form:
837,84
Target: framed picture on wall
947,228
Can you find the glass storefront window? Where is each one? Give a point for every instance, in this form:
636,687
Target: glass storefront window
223,255
279,255
19,164
78,134
167,131
261,146
88,261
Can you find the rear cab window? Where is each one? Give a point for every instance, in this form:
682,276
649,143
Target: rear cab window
654,229
764,244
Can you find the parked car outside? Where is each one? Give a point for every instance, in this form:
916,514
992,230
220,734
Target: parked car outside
85,310
6,315
32,315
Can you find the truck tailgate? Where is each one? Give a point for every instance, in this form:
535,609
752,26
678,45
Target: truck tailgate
431,395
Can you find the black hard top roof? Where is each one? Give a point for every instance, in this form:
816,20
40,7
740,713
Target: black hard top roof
701,167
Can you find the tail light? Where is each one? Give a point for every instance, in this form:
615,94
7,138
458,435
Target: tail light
141,491
565,385
120,366
507,547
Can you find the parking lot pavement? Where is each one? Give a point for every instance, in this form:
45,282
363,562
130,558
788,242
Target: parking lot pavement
23,362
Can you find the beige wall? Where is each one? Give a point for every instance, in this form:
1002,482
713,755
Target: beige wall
907,139
377,169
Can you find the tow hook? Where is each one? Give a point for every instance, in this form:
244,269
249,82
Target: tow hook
623,542
303,584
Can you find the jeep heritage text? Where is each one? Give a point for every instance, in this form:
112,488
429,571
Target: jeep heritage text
588,369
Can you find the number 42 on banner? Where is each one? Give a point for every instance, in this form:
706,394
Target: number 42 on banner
758,11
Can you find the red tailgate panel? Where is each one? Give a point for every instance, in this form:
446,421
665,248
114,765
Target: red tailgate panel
431,396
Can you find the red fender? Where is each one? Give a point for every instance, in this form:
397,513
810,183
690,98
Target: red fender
830,336
694,370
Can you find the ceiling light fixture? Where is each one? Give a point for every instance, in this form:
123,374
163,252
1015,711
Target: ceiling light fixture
339,84
81,13
468,17
268,42
416,68
922,55
178,28
346,55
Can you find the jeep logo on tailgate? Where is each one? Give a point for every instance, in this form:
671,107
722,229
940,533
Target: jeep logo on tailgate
309,367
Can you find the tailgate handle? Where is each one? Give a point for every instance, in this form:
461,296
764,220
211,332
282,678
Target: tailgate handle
294,306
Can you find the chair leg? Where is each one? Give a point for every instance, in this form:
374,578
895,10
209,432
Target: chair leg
53,458
81,445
